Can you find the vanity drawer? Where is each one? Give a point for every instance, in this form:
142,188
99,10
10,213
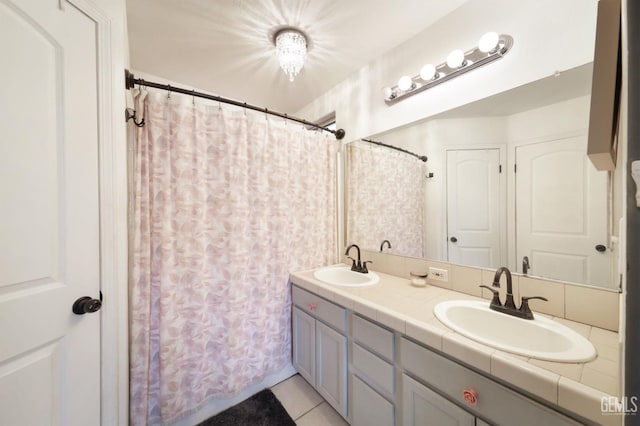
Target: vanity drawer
374,368
494,402
322,309
374,337
368,408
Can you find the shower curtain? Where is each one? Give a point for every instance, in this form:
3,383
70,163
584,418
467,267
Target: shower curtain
226,203
385,198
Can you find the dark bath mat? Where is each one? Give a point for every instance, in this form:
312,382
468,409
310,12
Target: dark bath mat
262,409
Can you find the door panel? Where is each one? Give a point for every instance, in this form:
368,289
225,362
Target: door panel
369,408
473,207
49,250
561,212
331,372
423,407
304,345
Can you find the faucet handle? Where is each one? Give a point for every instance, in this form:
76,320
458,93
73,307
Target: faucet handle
495,301
524,306
354,267
527,298
364,269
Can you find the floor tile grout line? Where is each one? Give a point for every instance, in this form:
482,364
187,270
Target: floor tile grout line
307,412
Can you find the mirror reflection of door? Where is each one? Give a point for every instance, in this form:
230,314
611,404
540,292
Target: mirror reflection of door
561,205
474,204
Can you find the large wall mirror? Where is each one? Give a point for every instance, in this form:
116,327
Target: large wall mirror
507,182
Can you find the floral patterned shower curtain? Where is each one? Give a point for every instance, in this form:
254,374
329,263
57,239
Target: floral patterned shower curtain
225,204
385,198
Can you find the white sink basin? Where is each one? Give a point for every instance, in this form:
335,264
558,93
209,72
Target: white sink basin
539,338
344,276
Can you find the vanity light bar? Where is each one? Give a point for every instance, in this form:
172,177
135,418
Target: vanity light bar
490,48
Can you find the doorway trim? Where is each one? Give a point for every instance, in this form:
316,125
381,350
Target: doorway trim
112,160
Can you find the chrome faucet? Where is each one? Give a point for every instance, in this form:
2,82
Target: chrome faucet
525,265
357,265
382,245
509,307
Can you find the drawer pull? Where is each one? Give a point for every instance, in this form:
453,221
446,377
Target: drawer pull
470,397
312,306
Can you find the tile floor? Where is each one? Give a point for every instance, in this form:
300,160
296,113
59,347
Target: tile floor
305,406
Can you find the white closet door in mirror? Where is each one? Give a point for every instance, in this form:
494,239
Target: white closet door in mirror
473,207
561,219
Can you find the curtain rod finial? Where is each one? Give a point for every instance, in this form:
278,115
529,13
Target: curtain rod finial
129,80
340,134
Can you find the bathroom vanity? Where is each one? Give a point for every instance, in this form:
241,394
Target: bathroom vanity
378,363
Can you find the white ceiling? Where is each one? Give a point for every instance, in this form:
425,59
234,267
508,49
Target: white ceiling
225,46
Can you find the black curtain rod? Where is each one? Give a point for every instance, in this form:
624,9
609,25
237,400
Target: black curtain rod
130,81
419,157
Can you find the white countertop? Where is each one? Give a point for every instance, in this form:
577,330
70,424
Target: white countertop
395,303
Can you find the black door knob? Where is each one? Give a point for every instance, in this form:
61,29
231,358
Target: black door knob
453,239
601,248
86,305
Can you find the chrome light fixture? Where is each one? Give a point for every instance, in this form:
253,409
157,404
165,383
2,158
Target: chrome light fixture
291,48
491,47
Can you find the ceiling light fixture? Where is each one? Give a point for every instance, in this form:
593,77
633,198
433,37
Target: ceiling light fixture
291,48
490,48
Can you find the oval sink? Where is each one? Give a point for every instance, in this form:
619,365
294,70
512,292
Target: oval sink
344,276
539,338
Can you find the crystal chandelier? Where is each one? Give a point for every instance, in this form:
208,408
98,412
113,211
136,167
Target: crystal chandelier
291,47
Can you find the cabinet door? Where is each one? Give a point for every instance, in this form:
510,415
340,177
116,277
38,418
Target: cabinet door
304,345
423,407
331,367
368,408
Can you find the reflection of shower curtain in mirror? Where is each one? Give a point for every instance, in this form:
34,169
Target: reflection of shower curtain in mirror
225,204
385,199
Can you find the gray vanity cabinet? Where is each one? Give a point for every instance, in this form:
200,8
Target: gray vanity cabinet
304,345
372,376
369,408
331,367
422,406
432,388
478,394
319,347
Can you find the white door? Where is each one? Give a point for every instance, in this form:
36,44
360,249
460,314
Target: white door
49,223
474,206
561,212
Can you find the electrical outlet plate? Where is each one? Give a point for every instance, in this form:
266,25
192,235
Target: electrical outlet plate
438,274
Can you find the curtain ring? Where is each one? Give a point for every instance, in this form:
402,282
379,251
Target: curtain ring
266,114
169,91
244,110
193,97
286,120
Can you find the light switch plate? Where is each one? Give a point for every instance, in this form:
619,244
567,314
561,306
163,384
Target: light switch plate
438,274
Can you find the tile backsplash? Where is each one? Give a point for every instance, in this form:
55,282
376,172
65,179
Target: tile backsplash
588,305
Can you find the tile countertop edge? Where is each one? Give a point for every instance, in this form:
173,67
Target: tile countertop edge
541,382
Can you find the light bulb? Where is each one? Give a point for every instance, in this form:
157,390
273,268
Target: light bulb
405,83
455,59
428,72
488,42
388,92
